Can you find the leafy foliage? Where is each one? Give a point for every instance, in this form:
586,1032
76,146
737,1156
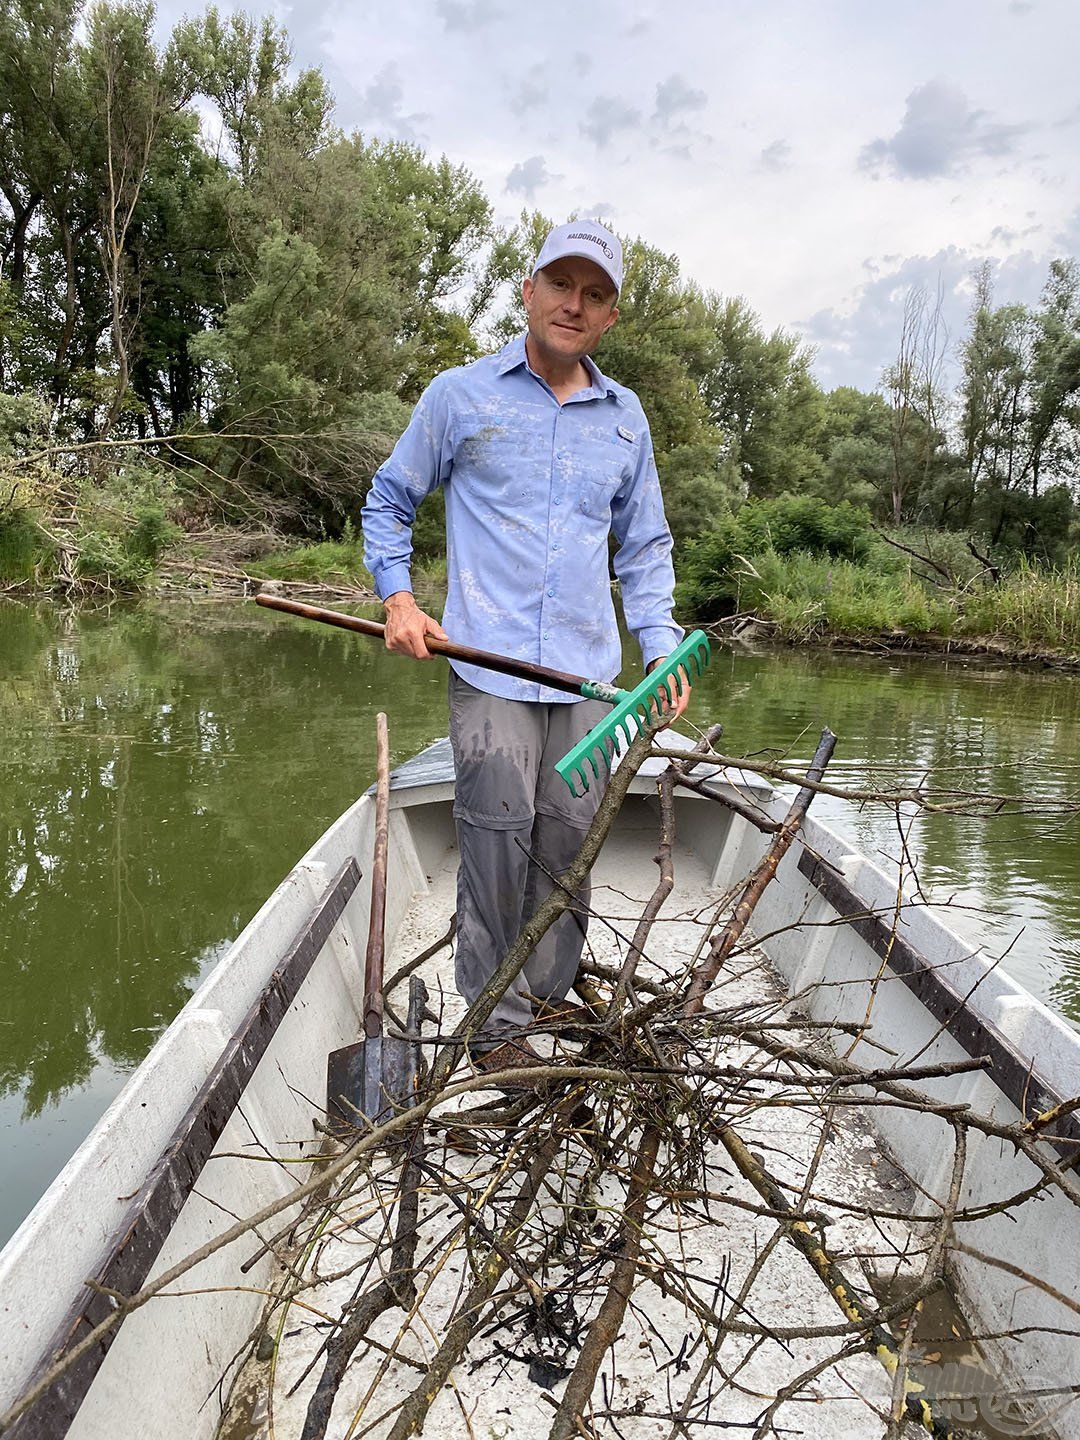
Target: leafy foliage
807,596
194,255
21,547
124,528
710,585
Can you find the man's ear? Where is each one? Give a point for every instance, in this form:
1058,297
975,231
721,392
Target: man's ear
612,318
527,288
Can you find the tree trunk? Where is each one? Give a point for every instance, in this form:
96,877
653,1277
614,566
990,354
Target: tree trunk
68,305
15,249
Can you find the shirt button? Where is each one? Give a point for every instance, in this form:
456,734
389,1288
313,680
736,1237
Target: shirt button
546,635
556,502
554,545
551,592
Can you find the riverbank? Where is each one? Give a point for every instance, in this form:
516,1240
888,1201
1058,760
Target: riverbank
228,562
333,573
752,634
799,574
1029,616
858,587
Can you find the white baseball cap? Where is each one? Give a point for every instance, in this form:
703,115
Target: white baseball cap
588,240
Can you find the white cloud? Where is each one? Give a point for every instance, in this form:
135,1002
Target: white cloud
776,156
467,15
854,343
675,98
529,92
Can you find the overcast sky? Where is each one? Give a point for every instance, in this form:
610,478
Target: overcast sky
815,158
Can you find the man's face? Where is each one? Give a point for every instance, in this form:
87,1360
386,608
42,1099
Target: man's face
570,304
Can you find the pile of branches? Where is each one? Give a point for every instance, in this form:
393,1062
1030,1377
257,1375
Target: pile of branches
653,1232
658,1229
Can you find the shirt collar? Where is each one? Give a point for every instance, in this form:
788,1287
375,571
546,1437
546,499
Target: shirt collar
512,356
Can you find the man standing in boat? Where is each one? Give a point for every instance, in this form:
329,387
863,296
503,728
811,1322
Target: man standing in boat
542,458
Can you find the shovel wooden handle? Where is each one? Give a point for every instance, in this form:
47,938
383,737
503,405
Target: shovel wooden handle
373,964
555,679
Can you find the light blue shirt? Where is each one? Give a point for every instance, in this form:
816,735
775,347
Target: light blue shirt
533,489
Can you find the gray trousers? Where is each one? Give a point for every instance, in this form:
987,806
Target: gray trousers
516,819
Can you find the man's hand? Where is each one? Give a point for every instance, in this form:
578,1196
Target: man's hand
407,626
682,700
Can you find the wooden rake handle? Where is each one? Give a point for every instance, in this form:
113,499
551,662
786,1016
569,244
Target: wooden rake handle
373,963
522,669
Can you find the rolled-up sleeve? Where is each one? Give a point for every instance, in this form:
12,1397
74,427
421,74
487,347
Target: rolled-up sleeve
421,460
643,560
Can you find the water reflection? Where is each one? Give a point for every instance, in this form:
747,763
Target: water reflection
161,769
976,727
159,773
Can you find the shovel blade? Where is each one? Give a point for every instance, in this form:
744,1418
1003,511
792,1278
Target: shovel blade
371,1080
367,1082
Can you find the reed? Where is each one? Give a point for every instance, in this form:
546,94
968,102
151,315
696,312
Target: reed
807,596
1031,606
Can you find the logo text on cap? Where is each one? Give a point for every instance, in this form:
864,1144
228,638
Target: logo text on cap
595,240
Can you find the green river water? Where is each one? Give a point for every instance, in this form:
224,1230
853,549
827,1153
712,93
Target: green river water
162,768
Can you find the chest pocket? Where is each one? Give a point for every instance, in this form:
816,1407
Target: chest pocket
604,465
499,464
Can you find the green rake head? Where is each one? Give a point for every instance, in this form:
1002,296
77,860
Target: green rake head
632,708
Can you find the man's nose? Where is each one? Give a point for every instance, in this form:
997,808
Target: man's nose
572,301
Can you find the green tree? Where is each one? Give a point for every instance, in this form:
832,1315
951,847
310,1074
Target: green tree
46,132
242,64
99,147
1020,412
1053,410
360,282
762,396
135,96
854,441
660,345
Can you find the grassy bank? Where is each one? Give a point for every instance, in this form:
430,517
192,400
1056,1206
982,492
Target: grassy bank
814,573
132,531
806,599
340,562
807,571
